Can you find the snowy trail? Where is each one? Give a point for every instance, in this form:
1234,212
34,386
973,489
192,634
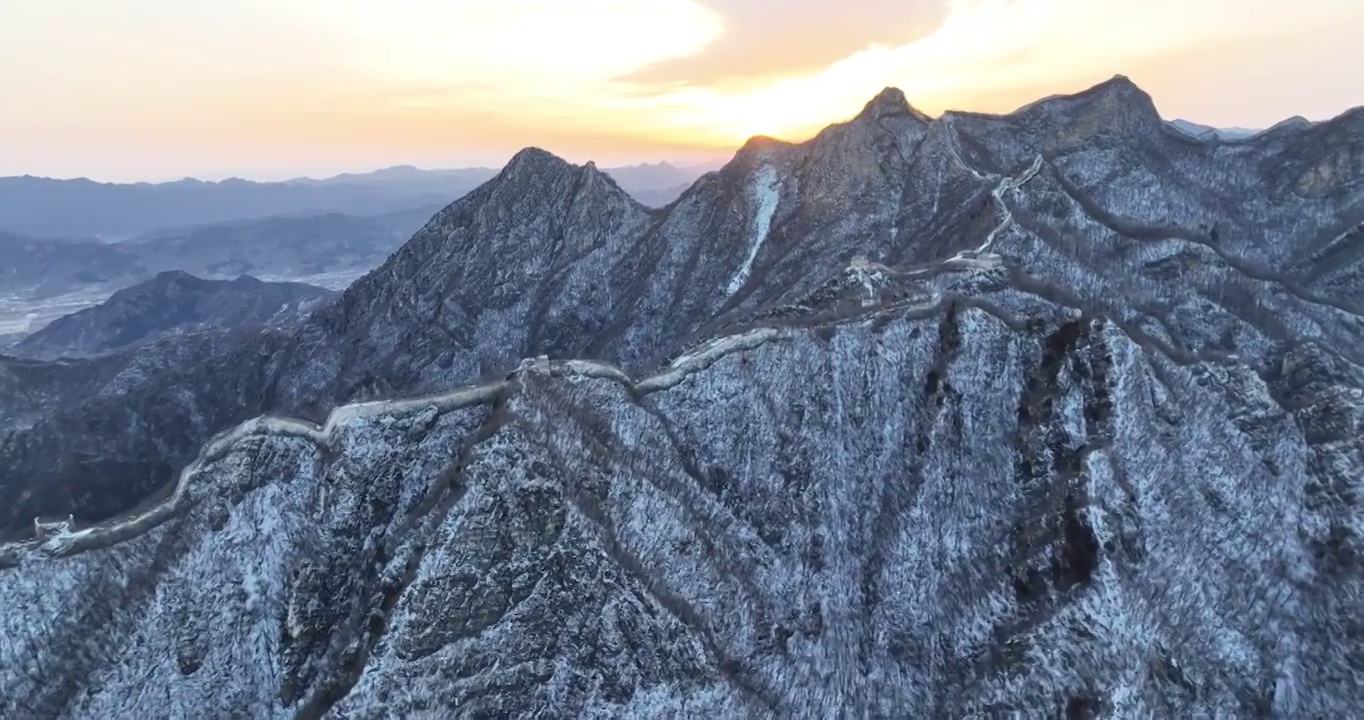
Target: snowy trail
705,356
1006,184
1345,237
67,542
954,146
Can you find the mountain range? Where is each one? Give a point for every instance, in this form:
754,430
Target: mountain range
172,302
283,247
1211,133
1054,413
49,208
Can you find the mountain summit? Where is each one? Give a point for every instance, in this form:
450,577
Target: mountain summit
1055,413
889,102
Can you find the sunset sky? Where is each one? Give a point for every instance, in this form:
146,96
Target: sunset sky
266,89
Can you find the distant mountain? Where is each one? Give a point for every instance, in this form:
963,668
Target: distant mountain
400,175
630,177
1058,413
279,247
660,197
653,184
36,268
402,222
657,177
172,301
1208,132
42,207
273,248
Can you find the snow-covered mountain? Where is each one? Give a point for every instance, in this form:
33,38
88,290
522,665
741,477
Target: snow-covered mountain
1052,413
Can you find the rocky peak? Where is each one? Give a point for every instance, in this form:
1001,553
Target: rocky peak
760,145
535,170
595,180
1297,122
1116,104
163,284
535,187
174,277
536,164
1119,86
890,102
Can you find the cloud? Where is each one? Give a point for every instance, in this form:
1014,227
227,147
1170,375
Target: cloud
765,40
992,55
528,42
162,87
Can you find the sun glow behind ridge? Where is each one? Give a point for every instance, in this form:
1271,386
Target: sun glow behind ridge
281,87
564,62
988,55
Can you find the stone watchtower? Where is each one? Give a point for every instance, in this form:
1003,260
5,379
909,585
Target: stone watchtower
43,529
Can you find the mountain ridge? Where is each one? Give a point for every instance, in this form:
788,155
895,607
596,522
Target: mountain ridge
754,687
723,242
172,301
840,197
40,207
1091,353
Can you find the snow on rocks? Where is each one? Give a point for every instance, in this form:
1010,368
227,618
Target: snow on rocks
766,195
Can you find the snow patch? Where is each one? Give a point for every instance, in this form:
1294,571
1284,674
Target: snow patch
705,356
592,369
765,193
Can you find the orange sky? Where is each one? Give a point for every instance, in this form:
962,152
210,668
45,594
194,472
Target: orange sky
159,89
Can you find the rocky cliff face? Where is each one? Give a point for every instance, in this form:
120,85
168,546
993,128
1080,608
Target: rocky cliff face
1051,413
171,302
